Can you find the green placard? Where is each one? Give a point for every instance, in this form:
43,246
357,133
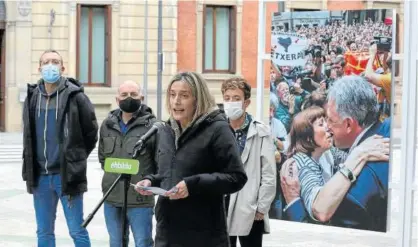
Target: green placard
122,166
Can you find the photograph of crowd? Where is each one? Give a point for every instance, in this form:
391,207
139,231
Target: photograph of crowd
330,116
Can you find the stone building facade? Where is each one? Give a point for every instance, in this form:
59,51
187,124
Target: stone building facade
101,42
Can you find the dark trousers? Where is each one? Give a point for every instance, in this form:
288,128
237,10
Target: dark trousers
254,239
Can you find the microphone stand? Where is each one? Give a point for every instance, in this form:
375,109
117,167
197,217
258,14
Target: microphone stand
126,183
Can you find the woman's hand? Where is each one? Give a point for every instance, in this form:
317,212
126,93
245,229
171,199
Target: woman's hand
259,216
374,148
289,180
279,144
291,101
178,192
323,86
143,183
277,156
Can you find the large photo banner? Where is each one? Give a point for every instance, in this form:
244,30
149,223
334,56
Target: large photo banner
330,115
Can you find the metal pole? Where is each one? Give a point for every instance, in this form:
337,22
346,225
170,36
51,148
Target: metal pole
260,59
160,58
409,124
145,76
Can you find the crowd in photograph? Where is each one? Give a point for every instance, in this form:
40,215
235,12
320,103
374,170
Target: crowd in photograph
330,119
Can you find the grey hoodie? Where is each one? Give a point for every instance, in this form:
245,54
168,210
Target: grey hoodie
47,144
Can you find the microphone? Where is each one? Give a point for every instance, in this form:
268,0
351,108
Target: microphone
154,129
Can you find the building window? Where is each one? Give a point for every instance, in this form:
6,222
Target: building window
219,39
94,45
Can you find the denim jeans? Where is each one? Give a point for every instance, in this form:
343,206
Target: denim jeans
139,219
45,198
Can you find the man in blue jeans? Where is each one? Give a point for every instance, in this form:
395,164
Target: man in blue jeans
60,131
118,135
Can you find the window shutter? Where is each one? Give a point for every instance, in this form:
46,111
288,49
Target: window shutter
233,40
108,44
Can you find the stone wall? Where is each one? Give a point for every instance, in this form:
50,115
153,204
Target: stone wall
27,37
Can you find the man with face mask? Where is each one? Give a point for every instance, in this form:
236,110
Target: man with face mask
59,133
119,133
248,209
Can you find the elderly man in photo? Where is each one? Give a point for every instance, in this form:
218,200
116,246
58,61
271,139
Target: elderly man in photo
352,117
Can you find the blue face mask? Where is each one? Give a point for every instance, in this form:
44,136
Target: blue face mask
50,73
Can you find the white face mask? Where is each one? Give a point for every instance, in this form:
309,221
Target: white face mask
233,110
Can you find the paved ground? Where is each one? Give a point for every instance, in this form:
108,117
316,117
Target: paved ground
17,220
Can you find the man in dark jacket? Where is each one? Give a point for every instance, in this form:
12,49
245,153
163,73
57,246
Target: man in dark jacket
118,135
60,132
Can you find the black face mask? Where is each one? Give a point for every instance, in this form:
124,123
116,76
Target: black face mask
129,105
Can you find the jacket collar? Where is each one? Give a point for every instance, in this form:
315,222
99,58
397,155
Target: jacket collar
68,87
371,131
257,128
200,123
366,133
360,138
142,116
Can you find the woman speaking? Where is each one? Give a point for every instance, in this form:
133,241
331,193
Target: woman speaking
199,162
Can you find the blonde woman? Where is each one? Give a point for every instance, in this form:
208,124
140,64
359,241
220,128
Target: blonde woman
198,155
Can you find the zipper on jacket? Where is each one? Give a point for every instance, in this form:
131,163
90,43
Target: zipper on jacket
66,126
45,127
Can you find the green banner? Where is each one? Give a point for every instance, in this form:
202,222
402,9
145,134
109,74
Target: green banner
122,166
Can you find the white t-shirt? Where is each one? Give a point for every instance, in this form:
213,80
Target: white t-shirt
279,131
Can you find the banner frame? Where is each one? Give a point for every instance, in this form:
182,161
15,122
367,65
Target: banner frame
409,105
409,124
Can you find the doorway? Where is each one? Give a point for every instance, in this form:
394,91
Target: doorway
2,81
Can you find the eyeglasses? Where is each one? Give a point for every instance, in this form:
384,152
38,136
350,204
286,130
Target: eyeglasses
127,94
53,61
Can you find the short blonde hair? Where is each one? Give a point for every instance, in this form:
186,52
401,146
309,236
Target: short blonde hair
205,102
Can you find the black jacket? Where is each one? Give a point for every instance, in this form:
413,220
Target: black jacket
77,137
113,143
208,160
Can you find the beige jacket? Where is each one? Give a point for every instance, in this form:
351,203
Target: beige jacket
260,189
